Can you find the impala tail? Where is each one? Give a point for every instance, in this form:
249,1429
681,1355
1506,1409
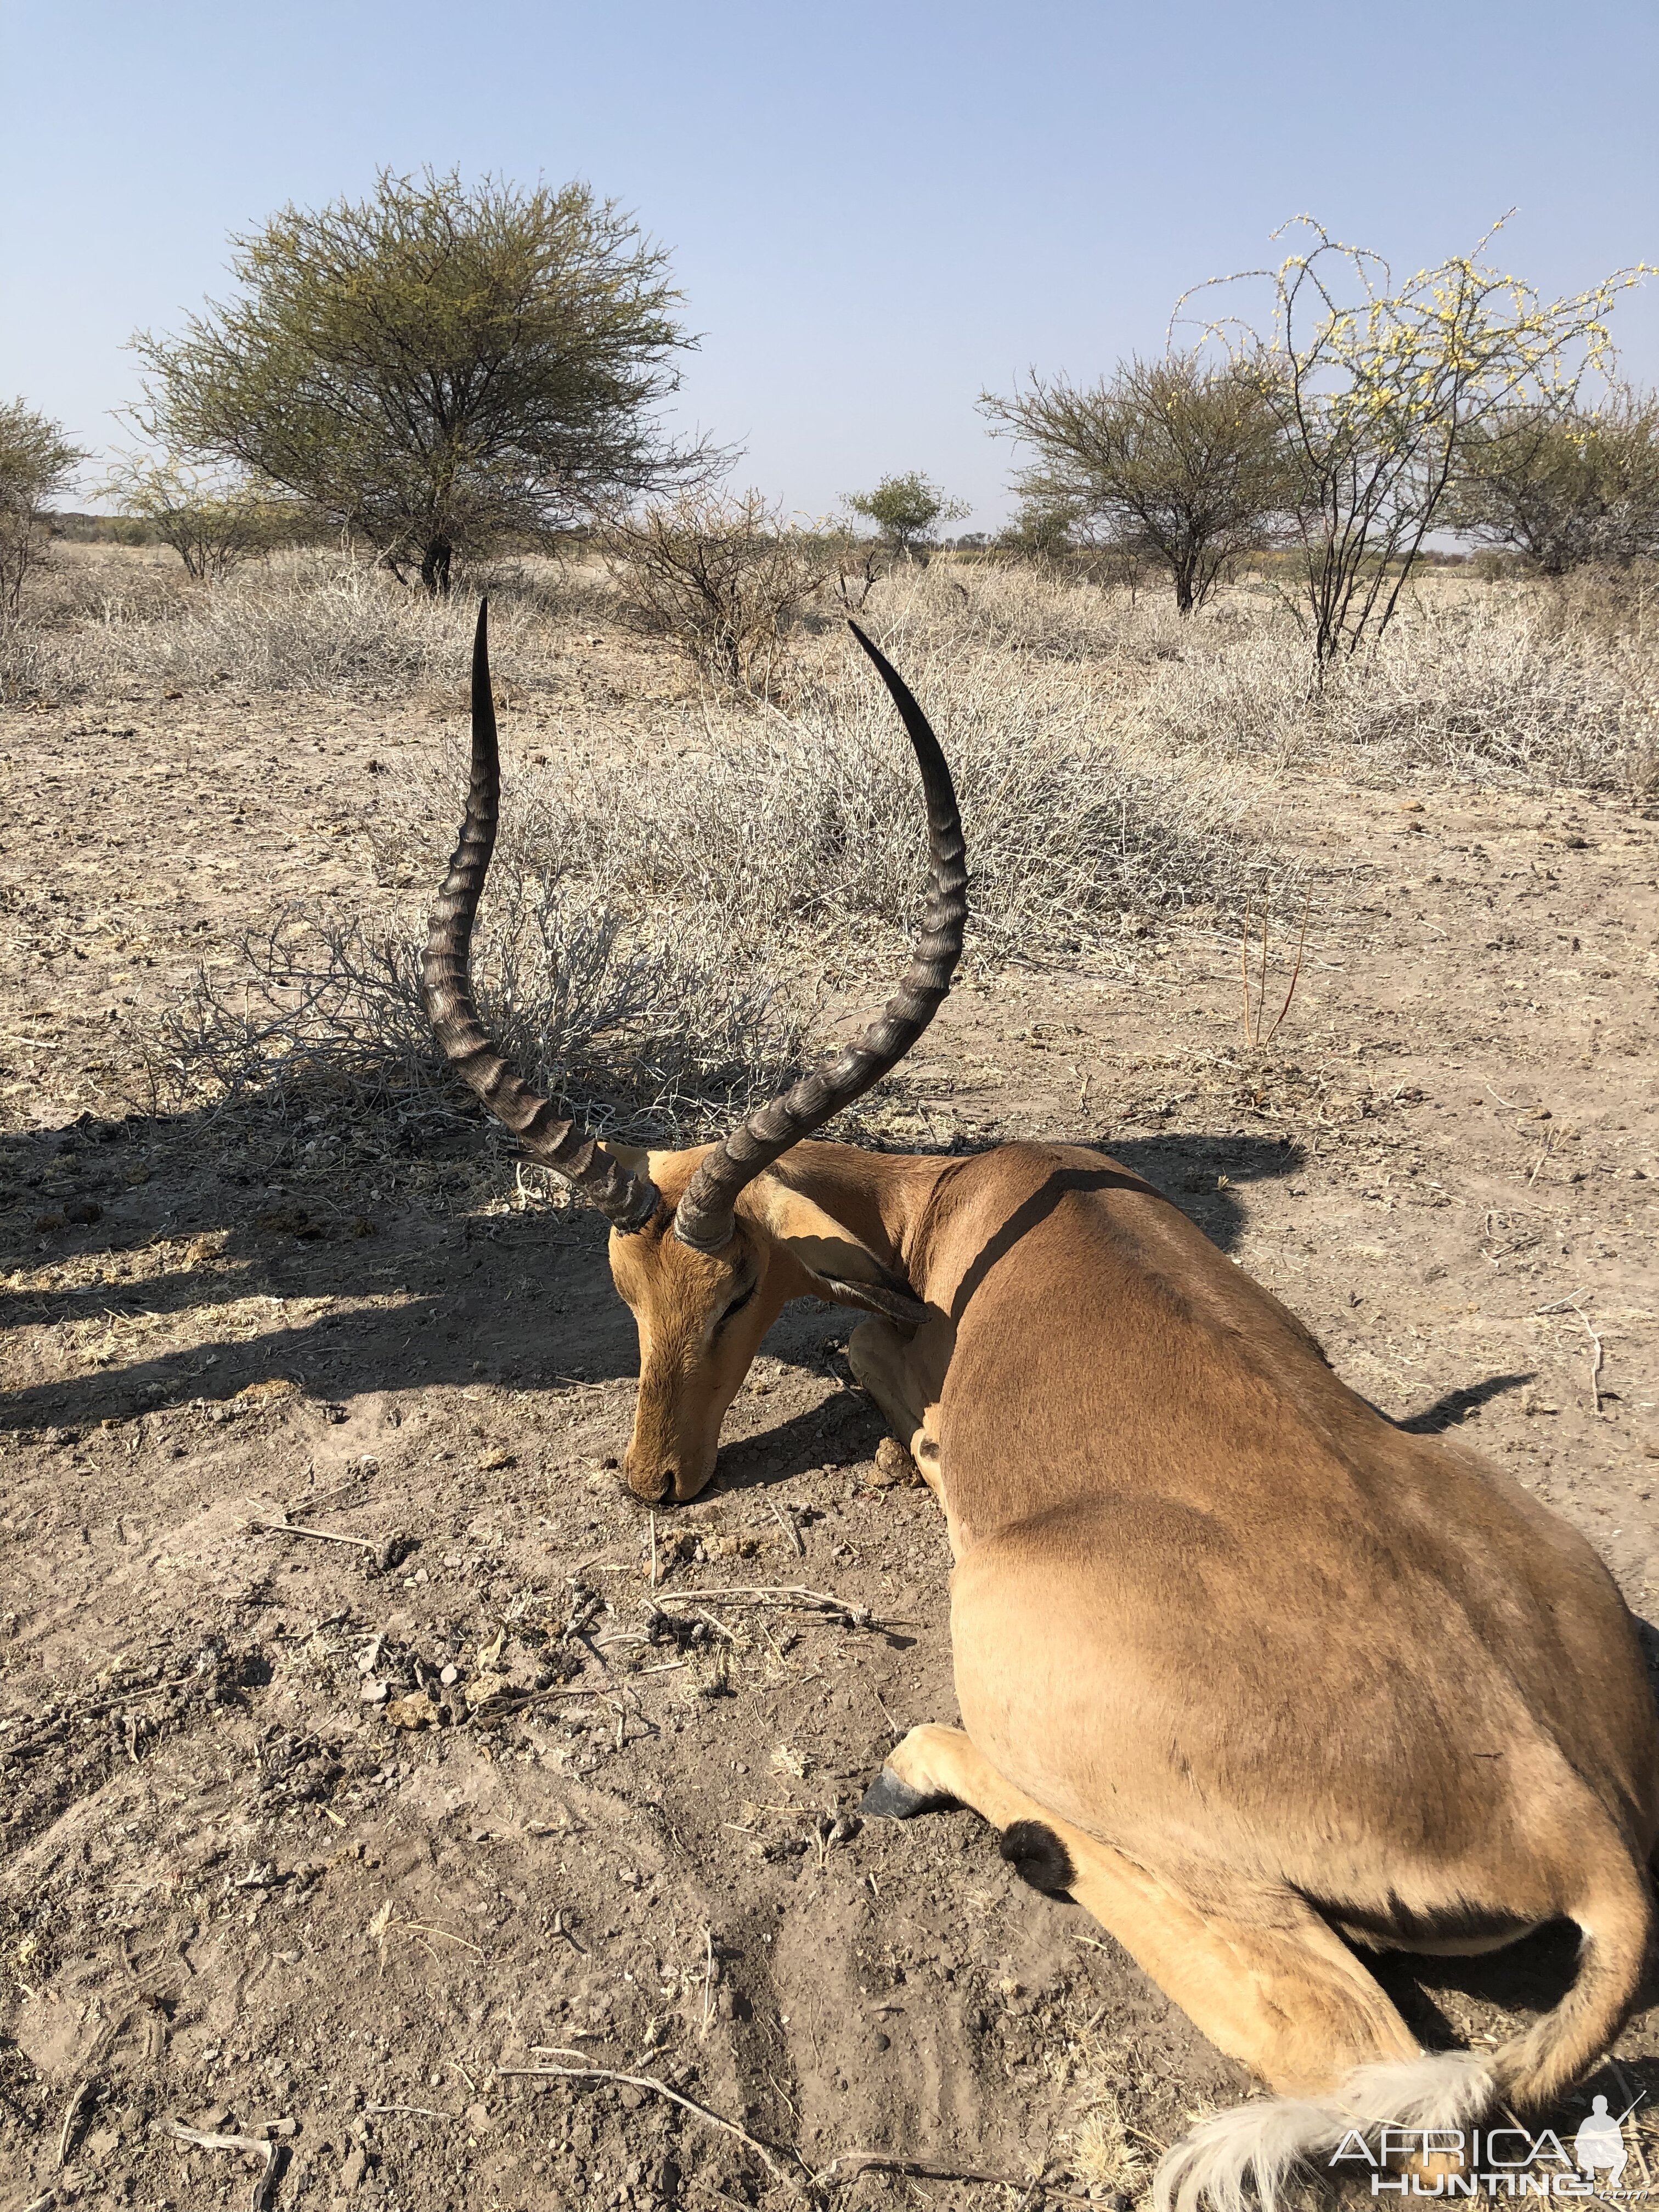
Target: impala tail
1238,2160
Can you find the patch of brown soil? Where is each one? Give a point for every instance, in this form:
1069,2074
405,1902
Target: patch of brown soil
339,1832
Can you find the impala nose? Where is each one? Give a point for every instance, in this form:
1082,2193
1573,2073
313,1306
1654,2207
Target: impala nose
654,1487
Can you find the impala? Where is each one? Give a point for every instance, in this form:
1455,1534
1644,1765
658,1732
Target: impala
1264,1682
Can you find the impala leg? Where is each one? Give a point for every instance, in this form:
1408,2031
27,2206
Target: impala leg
883,1363
1251,1965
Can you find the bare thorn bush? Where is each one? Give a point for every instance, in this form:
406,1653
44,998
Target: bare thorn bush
801,827
723,577
654,1027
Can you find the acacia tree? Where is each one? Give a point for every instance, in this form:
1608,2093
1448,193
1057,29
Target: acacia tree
1564,486
1379,392
433,366
907,511
37,464
1169,460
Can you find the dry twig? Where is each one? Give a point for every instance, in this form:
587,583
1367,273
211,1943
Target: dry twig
805,1601
321,1535
266,2147
1598,1357
66,2134
790,2181
847,2164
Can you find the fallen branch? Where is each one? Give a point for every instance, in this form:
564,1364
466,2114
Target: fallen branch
849,2164
506,1706
1598,1356
792,2182
266,2147
320,1535
804,1600
67,2133
789,1529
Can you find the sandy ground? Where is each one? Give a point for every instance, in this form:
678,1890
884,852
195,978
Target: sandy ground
336,1834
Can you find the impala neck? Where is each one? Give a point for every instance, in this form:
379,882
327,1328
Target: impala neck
882,1197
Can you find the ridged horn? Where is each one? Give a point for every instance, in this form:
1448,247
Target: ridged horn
704,1217
627,1201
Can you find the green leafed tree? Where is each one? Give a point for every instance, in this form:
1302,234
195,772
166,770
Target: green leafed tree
1169,460
1563,486
211,523
37,465
907,511
433,366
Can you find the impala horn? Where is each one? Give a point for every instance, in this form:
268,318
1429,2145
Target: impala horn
703,1218
626,1199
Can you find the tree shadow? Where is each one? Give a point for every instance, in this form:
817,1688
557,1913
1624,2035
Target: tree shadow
289,1272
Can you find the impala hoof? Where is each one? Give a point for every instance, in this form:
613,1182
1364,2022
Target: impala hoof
890,1798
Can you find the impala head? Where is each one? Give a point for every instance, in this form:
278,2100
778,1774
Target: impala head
707,1246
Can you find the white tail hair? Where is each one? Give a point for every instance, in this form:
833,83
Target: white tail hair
1256,2146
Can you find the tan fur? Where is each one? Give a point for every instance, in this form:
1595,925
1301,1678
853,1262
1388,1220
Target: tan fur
1268,1666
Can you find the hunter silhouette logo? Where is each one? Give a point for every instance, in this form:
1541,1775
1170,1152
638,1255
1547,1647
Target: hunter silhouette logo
1506,2161
1600,2143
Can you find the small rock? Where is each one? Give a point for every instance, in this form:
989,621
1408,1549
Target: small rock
354,2168
894,1464
482,1688
374,1692
477,2117
449,1676
730,1547
414,1711
490,1462
84,1210
267,1393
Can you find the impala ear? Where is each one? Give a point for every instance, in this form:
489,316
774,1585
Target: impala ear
843,1268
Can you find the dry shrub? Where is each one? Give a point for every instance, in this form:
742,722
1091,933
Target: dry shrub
721,576
660,900
1505,685
649,1029
307,620
804,828
1524,684
632,953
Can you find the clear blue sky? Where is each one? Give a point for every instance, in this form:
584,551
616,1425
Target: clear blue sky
875,211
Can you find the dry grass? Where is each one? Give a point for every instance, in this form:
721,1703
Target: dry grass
305,620
673,906
805,827
1485,680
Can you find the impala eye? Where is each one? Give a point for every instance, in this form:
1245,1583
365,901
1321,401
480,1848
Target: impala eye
738,1303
